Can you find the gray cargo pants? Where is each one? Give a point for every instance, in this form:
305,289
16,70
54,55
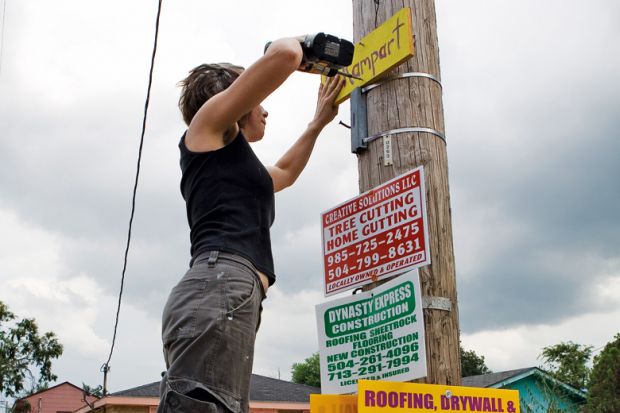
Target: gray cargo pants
209,326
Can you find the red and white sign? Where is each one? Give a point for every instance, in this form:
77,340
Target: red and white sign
376,234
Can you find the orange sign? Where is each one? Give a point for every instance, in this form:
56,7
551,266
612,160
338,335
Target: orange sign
384,397
331,403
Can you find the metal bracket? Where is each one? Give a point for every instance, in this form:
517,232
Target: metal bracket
436,303
359,114
405,130
401,76
359,121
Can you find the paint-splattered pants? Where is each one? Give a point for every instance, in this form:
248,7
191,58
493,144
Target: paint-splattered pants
208,328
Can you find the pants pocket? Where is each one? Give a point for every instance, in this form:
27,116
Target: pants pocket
181,403
240,287
183,396
180,312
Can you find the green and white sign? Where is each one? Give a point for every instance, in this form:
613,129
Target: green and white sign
373,335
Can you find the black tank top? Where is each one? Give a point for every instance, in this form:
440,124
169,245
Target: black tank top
230,202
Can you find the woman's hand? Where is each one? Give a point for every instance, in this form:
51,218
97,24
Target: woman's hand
326,107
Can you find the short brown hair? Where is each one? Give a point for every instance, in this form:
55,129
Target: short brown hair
202,83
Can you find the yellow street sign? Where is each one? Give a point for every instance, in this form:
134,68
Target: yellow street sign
394,397
332,403
379,51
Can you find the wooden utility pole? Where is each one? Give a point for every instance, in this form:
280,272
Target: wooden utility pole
411,98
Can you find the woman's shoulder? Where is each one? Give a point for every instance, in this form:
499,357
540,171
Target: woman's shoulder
236,142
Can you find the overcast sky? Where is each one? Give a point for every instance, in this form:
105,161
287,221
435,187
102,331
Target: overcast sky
531,102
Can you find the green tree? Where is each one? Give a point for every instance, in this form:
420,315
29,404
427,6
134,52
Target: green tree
96,391
308,372
604,387
472,364
24,353
567,362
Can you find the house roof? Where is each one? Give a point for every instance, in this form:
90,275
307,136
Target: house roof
487,380
51,388
266,389
146,390
501,379
261,389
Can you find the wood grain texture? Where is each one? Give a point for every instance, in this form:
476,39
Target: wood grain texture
417,102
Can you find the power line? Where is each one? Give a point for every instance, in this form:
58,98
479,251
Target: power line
106,367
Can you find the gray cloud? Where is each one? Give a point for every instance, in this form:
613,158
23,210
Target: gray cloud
533,147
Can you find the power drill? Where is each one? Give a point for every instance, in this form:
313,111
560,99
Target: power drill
325,54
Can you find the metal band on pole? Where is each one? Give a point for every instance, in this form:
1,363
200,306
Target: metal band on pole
401,76
436,303
405,130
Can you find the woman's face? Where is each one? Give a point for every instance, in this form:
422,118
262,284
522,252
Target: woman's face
254,127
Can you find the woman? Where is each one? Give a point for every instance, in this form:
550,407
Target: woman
212,315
